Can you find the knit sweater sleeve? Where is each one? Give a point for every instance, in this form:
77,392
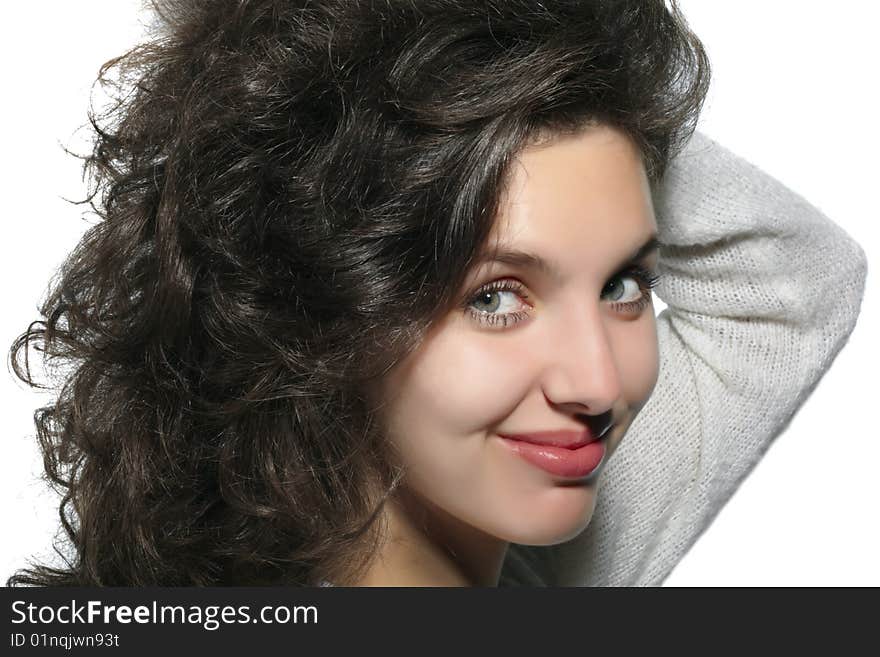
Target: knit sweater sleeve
762,292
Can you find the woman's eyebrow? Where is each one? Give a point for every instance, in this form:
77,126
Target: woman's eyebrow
529,260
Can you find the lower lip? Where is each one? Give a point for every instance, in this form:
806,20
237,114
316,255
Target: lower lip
560,461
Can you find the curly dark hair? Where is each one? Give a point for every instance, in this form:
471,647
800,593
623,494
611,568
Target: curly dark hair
290,193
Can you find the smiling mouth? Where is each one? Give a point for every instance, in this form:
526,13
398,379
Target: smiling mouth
562,438
573,463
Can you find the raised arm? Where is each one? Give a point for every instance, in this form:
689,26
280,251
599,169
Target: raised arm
763,291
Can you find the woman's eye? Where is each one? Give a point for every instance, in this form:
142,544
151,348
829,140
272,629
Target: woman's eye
500,303
634,297
619,293
495,301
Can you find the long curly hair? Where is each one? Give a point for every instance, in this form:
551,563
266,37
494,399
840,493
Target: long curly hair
290,192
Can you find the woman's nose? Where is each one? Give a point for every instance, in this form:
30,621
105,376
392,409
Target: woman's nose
581,372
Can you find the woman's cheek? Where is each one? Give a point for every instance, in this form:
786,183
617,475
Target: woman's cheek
639,362
475,378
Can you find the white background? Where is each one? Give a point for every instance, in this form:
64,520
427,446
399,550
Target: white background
794,90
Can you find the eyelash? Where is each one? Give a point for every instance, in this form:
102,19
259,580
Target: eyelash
646,279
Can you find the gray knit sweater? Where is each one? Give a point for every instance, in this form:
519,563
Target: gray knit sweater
762,291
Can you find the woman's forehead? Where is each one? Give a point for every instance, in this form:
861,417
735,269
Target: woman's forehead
582,192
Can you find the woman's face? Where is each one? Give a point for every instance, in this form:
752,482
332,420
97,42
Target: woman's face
535,349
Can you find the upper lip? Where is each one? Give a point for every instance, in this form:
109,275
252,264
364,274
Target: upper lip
568,438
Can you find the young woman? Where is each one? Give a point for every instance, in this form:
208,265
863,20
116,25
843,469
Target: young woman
371,301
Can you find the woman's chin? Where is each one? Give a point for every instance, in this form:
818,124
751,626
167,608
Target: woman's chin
561,516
